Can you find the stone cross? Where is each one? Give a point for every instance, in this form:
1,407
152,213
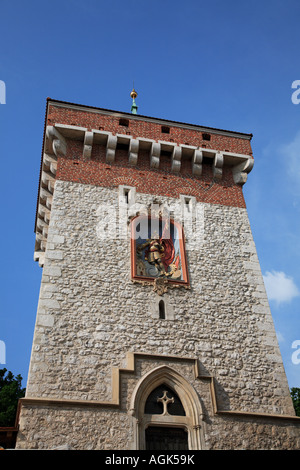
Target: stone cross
165,400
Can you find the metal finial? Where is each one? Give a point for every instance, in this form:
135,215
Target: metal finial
133,95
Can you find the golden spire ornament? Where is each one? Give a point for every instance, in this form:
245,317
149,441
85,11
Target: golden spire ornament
133,95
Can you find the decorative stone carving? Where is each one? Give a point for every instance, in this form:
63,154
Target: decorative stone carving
48,179
133,151
155,155
88,144
197,162
240,171
165,400
47,196
218,165
176,159
51,162
160,286
111,148
59,144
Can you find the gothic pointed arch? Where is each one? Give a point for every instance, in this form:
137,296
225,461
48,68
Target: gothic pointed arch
190,420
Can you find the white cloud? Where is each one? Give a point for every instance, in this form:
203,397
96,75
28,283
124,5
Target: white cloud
280,287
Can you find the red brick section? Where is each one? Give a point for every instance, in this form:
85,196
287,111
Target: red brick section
73,167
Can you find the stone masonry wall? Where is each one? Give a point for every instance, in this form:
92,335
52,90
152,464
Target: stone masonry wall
90,313
103,429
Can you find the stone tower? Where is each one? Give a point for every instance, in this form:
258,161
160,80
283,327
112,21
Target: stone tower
153,329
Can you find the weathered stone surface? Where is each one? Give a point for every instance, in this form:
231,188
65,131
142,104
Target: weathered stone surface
91,315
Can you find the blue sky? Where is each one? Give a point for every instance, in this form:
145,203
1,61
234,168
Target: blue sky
228,65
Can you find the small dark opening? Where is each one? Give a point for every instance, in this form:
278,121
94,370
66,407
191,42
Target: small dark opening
206,136
187,203
165,129
124,122
122,146
207,161
126,194
162,313
166,153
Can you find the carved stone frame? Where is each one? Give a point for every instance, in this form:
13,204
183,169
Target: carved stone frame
192,422
161,285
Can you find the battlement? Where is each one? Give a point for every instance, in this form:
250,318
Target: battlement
108,148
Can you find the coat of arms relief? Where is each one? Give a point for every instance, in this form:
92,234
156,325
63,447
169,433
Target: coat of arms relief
158,253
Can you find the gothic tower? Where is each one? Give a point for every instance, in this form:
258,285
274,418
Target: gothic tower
153,329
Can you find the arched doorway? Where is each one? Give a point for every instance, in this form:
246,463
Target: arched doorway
163,401
167,413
